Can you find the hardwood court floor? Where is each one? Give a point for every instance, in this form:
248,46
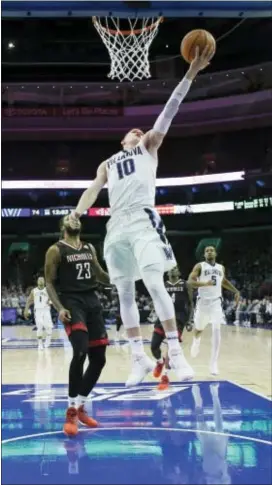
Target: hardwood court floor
245,358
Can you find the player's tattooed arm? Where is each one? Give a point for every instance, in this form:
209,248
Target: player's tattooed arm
29,302
194,275
52,260
90,195
100,274
227,285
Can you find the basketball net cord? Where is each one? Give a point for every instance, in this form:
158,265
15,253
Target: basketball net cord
128,49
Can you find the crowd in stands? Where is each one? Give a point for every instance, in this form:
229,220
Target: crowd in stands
247,258
249,313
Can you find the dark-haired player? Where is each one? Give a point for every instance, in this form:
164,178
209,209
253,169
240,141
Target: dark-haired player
209,277
182,297
71,272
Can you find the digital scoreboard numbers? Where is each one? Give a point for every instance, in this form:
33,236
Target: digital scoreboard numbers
167,209
256,203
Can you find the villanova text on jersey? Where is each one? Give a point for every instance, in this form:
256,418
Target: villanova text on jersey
124,154
212,272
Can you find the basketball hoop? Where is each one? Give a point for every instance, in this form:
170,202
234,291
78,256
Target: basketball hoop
128,49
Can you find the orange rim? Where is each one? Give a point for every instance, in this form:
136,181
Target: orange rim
128,32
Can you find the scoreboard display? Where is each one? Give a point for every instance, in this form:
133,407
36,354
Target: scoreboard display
167,209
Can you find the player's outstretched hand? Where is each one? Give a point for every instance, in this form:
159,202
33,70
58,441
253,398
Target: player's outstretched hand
65,316
201,61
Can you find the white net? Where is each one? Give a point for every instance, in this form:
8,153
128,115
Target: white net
128,48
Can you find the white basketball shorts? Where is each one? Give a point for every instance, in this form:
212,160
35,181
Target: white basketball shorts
43,319
208,311
136,239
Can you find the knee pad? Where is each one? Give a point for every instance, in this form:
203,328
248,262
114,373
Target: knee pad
153,279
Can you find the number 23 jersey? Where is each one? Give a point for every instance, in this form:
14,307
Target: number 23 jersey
131,179
75,271
214,273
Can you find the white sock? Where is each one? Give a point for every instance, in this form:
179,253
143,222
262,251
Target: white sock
197,339
72,402
160,361
82,400
136,344
216,339
172,341
166,372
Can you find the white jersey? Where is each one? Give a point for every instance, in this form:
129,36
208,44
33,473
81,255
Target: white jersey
214,273
131,179
41,299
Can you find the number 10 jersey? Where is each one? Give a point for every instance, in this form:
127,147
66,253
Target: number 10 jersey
75,271
131,179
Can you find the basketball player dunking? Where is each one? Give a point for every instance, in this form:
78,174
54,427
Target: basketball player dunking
182,297
209,278
42,312
71,272
136,246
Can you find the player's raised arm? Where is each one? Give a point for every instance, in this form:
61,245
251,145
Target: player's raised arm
89,196
154,137
100,274
29,302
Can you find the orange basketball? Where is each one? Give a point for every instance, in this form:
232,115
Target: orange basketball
196,38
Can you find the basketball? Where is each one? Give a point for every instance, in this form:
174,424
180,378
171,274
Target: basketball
196,38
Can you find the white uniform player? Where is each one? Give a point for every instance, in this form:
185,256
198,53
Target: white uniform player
136,246
209,278
39,298
135,232
209,300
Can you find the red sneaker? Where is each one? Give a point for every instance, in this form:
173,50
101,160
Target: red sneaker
164,384
85,419
70,427
158,369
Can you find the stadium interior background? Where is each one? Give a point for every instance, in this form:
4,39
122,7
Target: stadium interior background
61,116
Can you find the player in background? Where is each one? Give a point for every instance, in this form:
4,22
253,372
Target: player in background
182,297
209,277
72,271
42,313
136,246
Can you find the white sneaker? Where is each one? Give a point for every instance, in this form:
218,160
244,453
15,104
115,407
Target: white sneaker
214,369
195,347
40,346
47,342
180,366
141,366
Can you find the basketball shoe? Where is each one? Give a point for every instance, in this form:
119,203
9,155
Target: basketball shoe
164,384
141,366
158,369
179,364
85,419
70,427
